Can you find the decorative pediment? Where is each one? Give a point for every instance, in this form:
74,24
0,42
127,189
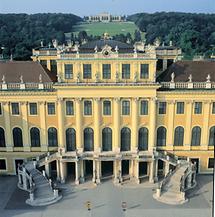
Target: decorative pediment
106,50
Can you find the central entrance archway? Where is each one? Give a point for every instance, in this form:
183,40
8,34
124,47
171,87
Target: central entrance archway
125,167
71,171
107,169
88,169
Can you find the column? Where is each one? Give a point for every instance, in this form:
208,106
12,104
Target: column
79,132
156,171
137,172
8,130
24,179
116,116
97,119
43,130
58,169
164,64
205,129
82,178
187,139
166,168
152,171
98,169
61,131
25,130
77,166
94,171
134,130
49,65
120,170
189,181
47,169
171,113
152,124
62,172
116,180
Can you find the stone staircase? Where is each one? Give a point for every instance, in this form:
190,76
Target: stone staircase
172,188
37,184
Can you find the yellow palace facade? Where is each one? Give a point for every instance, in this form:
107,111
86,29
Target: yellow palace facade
107,109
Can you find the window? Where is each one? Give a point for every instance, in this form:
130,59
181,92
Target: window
43,63
53,64
162,108
88,139
52,137
35,137
15,108
33,108
144,71
107,139
70,139
125,107
125,71
210,163
144,107
0,109
161,136
180,108
68,71
197,108
2,138
106,71
69,108
196,136
3,164
87,71
125,139
213,108
51,108
87,107
107,108
143,139
212,136
179,136
17,137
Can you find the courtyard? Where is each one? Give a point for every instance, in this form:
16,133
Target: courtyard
106,200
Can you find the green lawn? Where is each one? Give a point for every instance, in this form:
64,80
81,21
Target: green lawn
97,29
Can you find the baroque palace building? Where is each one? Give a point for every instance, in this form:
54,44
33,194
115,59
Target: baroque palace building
107,109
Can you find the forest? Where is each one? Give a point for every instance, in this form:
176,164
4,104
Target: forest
194,33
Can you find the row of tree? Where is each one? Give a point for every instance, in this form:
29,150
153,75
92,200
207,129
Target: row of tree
194,33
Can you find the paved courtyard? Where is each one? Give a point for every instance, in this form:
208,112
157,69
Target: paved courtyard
106,201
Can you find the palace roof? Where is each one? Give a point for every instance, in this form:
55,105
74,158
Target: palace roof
183,69
30,72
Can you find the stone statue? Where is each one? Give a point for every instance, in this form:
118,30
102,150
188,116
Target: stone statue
96,49
170,43
173,77
40,78
117,76
116,48
3,79
41,43
135,77
78,78
208,78
21,79
190,78
97,77
59,78
135,49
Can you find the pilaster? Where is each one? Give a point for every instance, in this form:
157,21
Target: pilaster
134,130
152,124
78,116
116,115
61,131
97,113
171,114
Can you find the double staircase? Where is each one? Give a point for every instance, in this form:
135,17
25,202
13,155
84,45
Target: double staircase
36,183
172,189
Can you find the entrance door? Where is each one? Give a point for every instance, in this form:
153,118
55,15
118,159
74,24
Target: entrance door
17,163
196,160
71,171
88,169
107,169
143,169
125,167
53,167
160,168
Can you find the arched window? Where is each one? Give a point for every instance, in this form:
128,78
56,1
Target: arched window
143,139
70,139
179,136
107,139
52,137
196,136
17,137
2,138
88,139
161,136
212,136
125,139
35,137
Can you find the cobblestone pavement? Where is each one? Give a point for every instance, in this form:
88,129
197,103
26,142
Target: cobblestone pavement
106,201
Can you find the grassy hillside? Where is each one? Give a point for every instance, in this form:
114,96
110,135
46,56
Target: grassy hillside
97,29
